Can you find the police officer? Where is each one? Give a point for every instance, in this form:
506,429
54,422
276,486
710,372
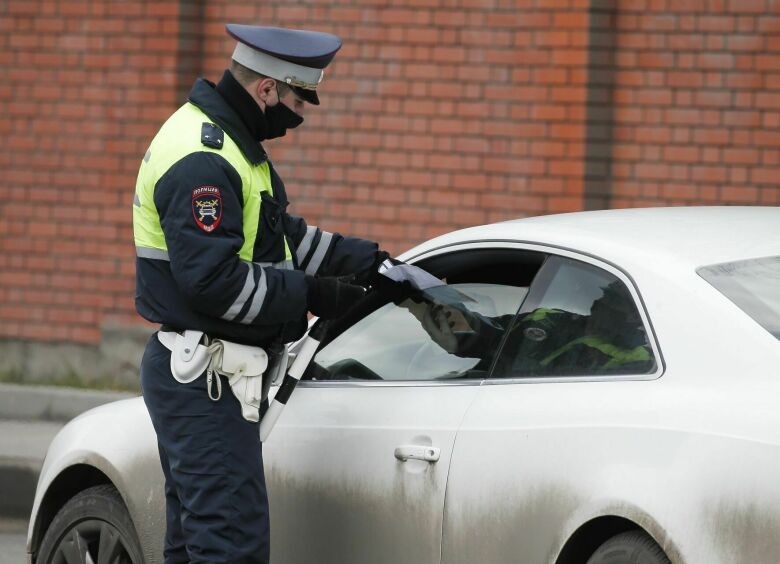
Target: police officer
217,252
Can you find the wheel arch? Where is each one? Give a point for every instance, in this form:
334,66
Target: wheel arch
589,536
67,484
592,534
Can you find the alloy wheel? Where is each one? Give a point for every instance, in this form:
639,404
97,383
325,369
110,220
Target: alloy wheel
92,542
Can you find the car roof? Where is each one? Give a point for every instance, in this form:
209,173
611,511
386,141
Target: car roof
688,236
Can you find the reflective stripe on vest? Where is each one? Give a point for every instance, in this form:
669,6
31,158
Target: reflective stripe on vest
617,355
178,137
541,313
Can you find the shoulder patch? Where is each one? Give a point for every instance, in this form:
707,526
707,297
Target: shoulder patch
212,135
207,207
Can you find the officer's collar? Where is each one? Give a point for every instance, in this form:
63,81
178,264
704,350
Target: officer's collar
244,105
205,96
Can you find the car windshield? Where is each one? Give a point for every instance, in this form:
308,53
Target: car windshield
754,285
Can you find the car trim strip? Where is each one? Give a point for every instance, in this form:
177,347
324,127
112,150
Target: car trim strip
484,382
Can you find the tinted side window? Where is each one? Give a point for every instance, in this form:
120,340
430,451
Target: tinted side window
577,320
393,343
753,284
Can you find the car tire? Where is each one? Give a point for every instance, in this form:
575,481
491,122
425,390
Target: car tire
93,522
632,547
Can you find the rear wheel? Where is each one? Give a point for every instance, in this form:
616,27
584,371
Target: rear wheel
632,547
93,527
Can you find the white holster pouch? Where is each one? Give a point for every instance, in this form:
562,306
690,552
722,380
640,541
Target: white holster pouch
188,357
243,365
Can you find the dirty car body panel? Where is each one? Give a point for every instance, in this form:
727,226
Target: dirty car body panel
685,448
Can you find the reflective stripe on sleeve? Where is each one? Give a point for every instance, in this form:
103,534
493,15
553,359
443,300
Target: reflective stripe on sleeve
308,239
243,296
385,266
319,253
149,253
281,265
257,300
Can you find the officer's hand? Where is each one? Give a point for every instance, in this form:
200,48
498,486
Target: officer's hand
371,277
330,298
394,291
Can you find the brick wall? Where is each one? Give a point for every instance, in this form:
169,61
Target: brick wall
695,102
85,86
435,115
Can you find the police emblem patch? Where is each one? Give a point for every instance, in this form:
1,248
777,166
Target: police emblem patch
207,207
535,334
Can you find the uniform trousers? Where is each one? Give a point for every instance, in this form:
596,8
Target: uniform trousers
215,494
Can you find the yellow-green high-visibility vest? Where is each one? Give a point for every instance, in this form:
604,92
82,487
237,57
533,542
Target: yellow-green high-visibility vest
180,136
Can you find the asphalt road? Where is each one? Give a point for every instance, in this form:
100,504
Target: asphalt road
13,535
22,444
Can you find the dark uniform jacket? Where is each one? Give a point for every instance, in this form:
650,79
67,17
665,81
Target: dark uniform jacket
205,275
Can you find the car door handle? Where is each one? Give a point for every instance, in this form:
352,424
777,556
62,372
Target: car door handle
417,452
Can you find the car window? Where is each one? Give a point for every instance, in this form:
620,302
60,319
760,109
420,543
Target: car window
754,285
405,341
577,320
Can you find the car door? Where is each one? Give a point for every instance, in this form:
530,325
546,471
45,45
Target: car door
533,449
357,464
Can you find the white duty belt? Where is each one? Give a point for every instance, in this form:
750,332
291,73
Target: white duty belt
243,365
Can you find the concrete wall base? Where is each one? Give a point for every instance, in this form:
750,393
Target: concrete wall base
112,364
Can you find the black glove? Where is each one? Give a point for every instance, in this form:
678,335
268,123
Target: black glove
369,276
375,278
393,291
330,298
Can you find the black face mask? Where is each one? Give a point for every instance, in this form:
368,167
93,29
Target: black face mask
279,119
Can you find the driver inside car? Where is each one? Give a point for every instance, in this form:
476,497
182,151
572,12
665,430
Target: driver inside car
544,341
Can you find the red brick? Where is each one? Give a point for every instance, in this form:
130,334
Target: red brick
570,57
681,154
765,175
562,204
718,136
745,42
715,60
713,99
709,173
740,156
769,196
748,6
767,100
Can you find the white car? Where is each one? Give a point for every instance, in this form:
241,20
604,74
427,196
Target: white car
609,393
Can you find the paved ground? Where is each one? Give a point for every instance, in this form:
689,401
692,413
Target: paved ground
13,536
23,445
26,439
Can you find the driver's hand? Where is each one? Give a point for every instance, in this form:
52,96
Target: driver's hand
439,321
